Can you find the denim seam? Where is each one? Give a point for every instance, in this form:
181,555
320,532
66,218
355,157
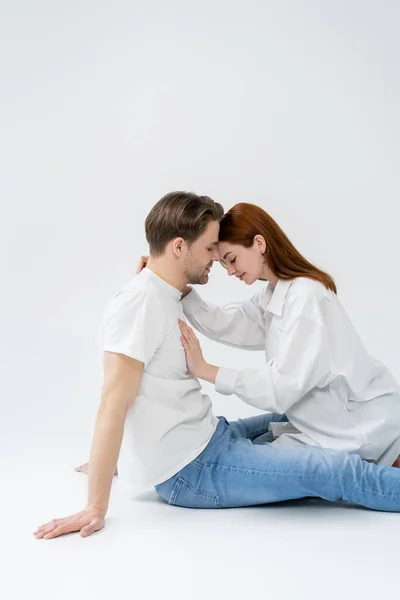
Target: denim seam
373,491
175,490
199,492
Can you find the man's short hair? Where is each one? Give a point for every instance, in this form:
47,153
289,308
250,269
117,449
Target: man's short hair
179,214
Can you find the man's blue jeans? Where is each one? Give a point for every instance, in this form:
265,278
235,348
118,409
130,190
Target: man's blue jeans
239,468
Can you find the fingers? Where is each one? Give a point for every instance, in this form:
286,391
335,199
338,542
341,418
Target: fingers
186,339
60,530
185,327
44,531
66,525
188,333
58,527
40,531
142,263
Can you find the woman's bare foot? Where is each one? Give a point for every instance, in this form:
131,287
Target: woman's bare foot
85,468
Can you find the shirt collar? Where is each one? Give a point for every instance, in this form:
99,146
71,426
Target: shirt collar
161,283
275,305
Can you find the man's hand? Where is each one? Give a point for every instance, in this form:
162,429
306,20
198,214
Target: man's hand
86,522
141,264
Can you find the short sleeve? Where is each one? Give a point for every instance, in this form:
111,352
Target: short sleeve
134,325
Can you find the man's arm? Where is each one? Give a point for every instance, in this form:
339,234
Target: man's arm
122,378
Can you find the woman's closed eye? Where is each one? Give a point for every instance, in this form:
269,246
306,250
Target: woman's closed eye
233,260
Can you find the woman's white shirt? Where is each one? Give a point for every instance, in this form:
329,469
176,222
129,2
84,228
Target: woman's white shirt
317,370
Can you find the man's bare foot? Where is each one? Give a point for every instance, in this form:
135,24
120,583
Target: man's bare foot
396,463
85,468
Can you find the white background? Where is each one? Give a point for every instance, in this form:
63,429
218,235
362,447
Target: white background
106,106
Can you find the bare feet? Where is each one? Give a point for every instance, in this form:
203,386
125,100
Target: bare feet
85,468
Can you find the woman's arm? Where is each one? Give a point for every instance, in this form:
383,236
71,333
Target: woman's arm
301,363
236,324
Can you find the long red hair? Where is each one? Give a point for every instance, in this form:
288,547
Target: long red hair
244,221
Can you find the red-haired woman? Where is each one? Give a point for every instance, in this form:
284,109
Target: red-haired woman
317,371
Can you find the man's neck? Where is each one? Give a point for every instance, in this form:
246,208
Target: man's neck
168,273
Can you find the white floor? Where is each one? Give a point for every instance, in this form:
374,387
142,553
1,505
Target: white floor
148,550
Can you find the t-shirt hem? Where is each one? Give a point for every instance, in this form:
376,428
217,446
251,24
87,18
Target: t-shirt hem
131,353
172,471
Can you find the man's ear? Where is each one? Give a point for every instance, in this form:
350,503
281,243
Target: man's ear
178,246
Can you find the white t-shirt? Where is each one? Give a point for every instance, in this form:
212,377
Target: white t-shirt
171,421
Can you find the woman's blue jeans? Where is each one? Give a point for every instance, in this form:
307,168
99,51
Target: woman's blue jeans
240,468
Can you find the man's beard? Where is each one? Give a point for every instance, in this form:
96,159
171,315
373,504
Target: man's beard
196,276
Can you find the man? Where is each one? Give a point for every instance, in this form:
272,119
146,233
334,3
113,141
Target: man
154,420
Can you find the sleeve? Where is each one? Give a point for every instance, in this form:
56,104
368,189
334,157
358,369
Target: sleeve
134,326
236,324
301,363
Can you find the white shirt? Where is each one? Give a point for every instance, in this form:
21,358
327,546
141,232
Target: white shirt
171,421
317,370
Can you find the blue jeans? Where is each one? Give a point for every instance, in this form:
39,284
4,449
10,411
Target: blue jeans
239,467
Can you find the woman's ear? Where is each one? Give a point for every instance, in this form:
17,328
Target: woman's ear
259,243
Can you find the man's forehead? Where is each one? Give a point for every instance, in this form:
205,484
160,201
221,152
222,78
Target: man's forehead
211,243
210,236
207,240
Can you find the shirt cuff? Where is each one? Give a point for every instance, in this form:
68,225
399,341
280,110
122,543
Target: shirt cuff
225,381
192,302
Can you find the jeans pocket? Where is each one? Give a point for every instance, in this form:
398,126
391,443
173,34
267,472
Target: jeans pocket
184,494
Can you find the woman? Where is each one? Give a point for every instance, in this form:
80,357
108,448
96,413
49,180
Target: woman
317,370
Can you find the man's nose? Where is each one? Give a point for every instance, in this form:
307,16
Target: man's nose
215,256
